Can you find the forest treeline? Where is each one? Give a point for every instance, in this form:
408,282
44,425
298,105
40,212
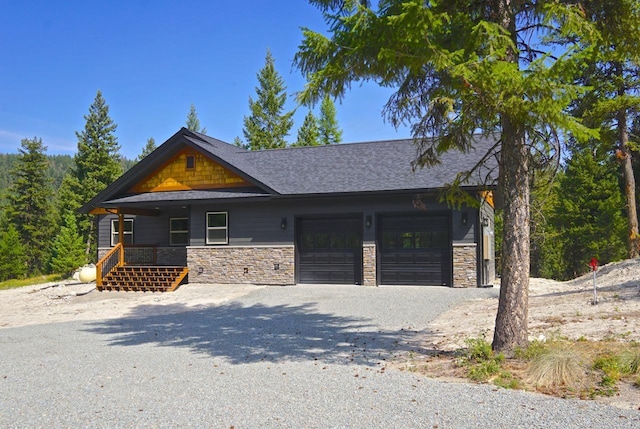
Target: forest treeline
57,167
41,230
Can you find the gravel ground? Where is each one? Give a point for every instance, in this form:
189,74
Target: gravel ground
278,357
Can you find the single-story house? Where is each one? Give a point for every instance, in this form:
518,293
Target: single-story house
338,214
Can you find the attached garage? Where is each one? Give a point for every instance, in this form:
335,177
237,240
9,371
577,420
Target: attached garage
329,250
414,249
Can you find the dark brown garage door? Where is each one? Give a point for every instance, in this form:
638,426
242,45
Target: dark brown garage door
414,249
329,250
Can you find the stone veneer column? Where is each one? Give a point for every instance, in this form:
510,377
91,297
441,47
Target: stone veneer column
263,265
465,272
369,265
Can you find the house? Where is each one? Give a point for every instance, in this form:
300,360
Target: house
338,214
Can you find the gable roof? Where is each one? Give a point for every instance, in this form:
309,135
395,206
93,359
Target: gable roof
318,170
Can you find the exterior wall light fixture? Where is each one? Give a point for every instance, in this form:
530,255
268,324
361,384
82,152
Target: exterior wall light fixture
283,223
368,221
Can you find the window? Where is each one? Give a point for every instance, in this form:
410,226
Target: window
191,162
128,231
217,228
179,231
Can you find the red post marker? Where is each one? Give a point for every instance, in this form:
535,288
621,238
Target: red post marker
594,267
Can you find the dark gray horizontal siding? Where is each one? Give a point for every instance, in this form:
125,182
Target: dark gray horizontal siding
258,223
147,230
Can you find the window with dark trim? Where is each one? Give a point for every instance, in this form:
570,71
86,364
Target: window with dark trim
179,231
191,162
217,228
128,231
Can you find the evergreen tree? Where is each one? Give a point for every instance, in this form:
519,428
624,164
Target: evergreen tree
193,123
96,165
238,142
29,206
546,252
308,134
613,99
147,149
460,68
267,125
68,248
13,261
589,214
330,133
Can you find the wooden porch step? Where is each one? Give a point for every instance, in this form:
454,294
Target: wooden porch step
144,278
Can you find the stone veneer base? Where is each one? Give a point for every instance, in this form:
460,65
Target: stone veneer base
465,268
369,265
263,265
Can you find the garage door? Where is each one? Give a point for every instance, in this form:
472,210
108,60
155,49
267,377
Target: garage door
329,250
414,249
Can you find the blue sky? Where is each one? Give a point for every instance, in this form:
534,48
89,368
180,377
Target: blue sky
152,60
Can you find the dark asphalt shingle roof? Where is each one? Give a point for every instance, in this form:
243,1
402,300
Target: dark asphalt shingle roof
380,166
360,167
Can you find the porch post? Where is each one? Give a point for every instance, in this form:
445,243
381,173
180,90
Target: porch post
121,235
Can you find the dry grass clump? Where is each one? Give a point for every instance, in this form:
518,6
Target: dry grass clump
557,365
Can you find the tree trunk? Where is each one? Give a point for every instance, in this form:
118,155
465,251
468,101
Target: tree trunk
624,156
511,330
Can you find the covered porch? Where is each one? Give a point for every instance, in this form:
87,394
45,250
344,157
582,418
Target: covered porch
133,267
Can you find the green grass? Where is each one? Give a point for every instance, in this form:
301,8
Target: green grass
16,283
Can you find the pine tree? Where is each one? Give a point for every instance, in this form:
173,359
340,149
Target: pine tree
589,214
459,68
96,165
147,149
330,133
68,248
29,206
13,261
268,125
193,123
612,102
308,134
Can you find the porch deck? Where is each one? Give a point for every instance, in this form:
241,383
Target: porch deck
134,268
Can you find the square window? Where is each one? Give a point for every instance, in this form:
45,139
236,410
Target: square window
217,228
115,231
179,231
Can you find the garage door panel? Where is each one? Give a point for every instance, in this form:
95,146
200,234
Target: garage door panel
414,249
329,250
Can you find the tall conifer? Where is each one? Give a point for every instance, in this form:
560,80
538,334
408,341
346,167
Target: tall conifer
29,206
13,261
68,249
268,124
330,133
193,123
308,134
96,165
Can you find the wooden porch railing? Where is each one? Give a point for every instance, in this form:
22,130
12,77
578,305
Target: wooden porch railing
140,254
113,258
121,255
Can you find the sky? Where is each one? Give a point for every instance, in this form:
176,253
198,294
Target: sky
152,59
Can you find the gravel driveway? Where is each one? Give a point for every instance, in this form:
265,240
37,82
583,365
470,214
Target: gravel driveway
285,357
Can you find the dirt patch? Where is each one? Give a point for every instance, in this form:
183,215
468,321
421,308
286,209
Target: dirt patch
556,310
70,300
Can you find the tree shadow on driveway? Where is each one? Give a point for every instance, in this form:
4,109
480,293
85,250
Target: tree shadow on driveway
258,332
